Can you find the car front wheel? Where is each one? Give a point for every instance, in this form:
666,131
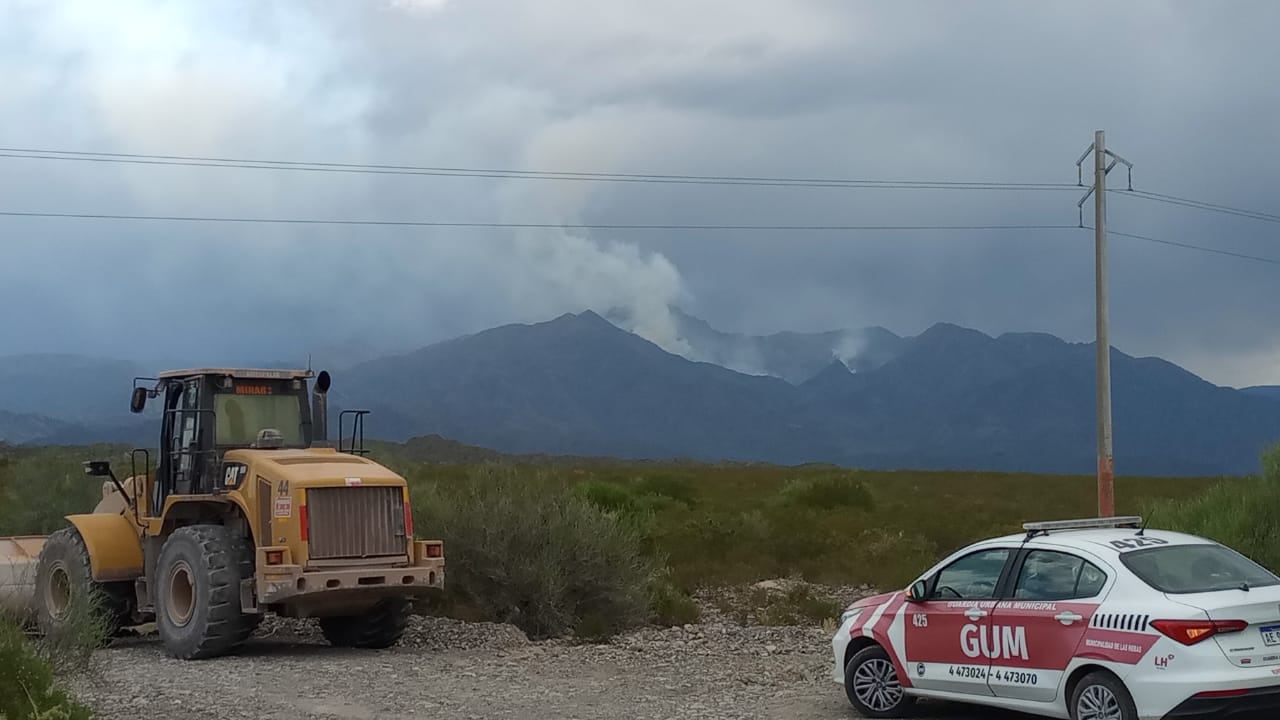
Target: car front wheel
1101,696
872,684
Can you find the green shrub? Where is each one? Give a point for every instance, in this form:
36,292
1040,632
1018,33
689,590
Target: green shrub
1243,514
1271,463
797,606
893,558
672,606
27,687
777,603
608,496
87,630
668,486
543,559
842,490
39,488
796,536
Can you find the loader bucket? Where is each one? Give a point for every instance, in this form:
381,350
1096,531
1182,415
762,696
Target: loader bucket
18,557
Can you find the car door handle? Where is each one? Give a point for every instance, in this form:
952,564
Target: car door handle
975,614
1067,617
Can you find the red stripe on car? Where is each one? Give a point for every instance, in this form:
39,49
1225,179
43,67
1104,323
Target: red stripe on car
1115,645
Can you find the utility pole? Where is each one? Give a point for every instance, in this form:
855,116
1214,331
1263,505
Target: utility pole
1106,457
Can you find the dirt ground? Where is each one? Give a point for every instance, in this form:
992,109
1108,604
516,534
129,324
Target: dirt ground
467,671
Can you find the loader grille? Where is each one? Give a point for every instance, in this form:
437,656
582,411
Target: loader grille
356,522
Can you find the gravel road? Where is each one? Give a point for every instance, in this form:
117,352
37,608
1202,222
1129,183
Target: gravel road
468,671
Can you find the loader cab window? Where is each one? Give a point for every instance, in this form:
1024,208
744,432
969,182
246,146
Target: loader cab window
183,461
246,407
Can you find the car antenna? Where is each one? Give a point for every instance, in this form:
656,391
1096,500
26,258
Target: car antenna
1142,530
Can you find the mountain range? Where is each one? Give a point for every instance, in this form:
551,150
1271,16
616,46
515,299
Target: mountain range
582,384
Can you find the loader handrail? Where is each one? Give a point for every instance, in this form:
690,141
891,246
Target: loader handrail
357,432
133,472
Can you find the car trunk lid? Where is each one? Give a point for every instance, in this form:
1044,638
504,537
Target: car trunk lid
1254,639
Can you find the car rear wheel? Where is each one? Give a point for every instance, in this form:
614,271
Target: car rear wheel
872,684
1101,696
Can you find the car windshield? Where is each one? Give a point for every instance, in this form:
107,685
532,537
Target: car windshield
1196,568
240,417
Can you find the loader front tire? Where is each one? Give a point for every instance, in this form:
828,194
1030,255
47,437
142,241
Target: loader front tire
197,592
381,626
69,604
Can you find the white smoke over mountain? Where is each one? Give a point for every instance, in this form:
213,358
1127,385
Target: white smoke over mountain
563,272
851,345
569,270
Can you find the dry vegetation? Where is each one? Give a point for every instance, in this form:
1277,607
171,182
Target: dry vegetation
705,525
591,548
730,525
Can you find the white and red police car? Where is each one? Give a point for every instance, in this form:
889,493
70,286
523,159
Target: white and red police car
1097,619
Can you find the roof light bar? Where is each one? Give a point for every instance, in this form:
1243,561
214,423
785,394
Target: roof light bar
1084,523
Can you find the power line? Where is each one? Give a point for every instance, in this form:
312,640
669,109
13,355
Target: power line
383,169
1199,205
549,226
261,164
1190,246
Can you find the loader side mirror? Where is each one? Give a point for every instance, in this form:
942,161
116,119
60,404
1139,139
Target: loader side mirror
138,400
97,468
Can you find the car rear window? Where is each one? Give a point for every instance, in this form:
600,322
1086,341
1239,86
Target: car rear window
1196,568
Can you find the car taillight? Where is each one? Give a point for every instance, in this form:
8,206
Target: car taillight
435,550
1190,632
302,521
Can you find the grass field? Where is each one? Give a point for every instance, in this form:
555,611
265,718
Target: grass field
730,525
712,524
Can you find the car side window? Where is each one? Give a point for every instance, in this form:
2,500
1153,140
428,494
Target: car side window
1091,581
972,577
1050,575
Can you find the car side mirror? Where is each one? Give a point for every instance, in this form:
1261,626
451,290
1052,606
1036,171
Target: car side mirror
918,592
138,400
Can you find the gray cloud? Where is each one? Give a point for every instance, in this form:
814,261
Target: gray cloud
910,90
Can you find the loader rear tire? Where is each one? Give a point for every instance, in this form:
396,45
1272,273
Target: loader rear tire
381,626
197,591
69,603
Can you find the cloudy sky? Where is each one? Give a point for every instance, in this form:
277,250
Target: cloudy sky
903,90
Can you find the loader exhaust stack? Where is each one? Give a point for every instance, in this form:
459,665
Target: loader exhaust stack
320,411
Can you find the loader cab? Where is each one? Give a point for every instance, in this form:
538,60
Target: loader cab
210,411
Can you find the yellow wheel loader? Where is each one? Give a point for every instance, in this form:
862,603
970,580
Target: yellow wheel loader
250,510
